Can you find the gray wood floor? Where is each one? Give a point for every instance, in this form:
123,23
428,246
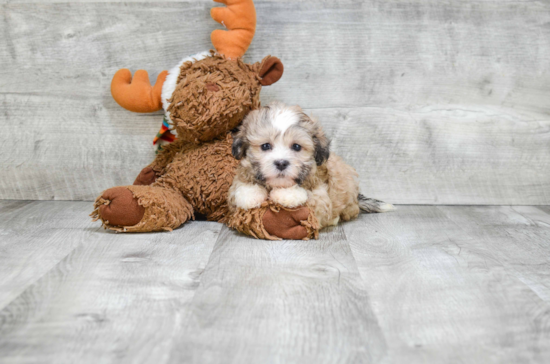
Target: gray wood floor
438,284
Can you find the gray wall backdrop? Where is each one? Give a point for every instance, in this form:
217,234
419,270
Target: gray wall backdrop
433,102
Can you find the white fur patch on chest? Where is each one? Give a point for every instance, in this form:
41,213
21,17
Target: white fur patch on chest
289,197
284,119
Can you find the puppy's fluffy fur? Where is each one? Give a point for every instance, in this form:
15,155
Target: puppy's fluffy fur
285,157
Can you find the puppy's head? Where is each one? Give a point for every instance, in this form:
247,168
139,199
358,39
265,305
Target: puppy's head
280,145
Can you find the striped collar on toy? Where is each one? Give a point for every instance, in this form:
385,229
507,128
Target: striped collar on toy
165,133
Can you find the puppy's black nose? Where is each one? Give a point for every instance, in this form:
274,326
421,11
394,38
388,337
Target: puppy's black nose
281,164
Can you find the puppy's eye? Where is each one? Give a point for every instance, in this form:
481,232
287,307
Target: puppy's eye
266,146
296,147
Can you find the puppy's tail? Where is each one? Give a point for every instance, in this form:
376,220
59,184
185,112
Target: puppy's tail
371,205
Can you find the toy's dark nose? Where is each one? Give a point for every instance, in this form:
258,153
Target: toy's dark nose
212,87
281,164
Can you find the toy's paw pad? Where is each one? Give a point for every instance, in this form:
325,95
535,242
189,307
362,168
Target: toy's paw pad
286,224
250,196
289,197
123,209
146,177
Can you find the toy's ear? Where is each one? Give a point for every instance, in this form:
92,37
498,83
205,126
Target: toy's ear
271,70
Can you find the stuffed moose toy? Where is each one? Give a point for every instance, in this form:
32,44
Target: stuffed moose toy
204,97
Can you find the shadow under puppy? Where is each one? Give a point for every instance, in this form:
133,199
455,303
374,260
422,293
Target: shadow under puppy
285,158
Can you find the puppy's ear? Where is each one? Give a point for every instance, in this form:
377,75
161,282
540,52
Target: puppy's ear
322,147
239,144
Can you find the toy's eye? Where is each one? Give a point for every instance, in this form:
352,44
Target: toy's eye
266,146
296,147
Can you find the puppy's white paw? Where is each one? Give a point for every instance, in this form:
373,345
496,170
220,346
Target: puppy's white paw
250,196
289,197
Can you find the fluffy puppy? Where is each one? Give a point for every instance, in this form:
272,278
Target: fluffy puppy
285,157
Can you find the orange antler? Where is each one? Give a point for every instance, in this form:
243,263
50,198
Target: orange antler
137,94
239,16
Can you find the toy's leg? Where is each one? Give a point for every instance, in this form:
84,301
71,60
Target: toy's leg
142,209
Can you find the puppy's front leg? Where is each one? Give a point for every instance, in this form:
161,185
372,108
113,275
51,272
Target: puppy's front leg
249,196
289,197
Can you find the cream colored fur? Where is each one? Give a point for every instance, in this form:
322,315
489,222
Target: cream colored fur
329,187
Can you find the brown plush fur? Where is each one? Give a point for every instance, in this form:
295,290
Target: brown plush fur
193,174
203,174
200,115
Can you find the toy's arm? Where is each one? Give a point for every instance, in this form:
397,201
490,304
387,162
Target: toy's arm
274,222
156,169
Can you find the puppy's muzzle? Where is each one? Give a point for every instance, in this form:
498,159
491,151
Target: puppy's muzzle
281,164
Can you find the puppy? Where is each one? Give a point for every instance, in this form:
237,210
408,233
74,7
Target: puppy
285,157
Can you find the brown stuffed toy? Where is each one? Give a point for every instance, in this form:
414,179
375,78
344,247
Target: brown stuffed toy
204,98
